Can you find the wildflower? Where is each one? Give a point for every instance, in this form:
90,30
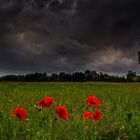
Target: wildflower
87,115
97,115
10,101
21,113
62,112
46,102
93,101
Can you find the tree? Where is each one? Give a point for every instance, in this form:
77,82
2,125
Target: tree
88,75
54,78
62,76
78,77
131,76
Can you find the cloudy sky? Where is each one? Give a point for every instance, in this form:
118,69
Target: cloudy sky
69,35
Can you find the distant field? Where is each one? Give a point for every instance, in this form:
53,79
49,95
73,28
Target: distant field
120,109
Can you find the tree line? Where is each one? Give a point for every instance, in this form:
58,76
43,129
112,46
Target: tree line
85,76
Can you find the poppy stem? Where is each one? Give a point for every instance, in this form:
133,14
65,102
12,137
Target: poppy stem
42,115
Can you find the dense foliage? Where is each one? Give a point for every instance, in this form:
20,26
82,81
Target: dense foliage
72,77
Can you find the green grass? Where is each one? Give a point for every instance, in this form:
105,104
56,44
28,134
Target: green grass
120,109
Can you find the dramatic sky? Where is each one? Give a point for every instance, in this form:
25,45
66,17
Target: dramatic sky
69,35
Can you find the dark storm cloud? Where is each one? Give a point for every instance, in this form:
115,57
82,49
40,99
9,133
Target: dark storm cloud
69,35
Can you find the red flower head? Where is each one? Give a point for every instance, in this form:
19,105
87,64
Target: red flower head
97,115
46,102
93,101
62,112
21,113
87,115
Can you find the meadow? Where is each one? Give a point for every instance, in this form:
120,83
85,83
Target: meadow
120,108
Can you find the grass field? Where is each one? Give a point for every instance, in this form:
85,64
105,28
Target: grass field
120,109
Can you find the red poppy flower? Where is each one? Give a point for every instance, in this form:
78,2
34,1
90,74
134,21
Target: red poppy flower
21,113
93,101
88,115
46,102
97,115
62,112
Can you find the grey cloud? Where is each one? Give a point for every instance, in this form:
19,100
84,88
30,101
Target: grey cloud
69,35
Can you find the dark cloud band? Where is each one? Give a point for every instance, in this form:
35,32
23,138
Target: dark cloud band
69,35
